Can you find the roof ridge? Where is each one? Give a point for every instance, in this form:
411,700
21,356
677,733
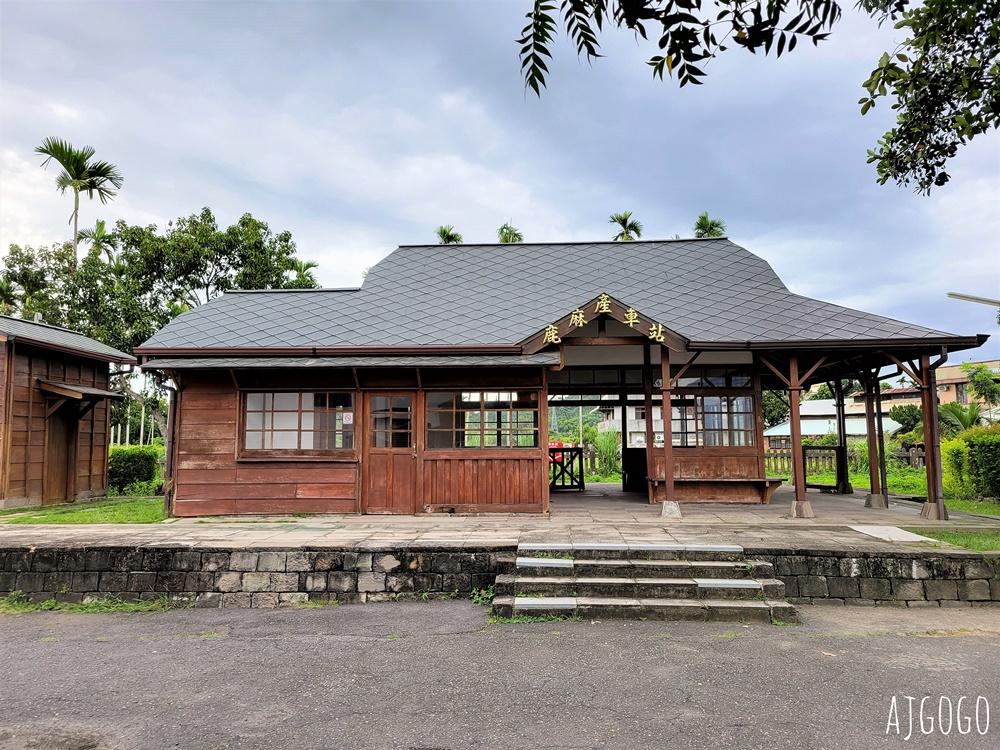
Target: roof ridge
315,289
639,241
46,325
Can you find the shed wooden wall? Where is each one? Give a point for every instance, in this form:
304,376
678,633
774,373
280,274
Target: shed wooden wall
23,458
212,481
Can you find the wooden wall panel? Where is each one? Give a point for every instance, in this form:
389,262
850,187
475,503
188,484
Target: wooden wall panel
4,437
716,463
212,481
484,484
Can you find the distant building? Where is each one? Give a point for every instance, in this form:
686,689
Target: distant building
819,418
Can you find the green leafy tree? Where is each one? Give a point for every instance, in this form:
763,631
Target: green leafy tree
100,240
706,227
629,229
509,235
942,80
302,274
824,392
983,382
907,416
447,235
39,280
774,407
81,174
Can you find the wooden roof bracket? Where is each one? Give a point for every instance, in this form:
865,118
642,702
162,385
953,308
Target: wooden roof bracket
775,370
674,380
911,372
55,407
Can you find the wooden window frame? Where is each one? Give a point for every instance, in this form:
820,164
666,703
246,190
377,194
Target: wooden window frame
701,431
534,396
296,454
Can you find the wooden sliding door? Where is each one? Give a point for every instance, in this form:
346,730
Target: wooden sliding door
390,460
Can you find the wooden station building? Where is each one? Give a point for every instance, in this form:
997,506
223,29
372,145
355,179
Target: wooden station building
426,389
53,413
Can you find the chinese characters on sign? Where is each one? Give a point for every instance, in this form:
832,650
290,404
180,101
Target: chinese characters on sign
576,318
551,335
631,318
656,332
603,304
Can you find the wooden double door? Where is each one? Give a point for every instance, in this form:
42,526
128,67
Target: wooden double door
390,459
62,428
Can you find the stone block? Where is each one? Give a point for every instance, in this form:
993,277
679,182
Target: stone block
208,600
156,559
69,597
17,561
316,582
291,599
113,582
400,582
954,603
919,569
125,560
974,591
479,563
237,600
947,568
284,582
326,561
265,600
427,582
884,567
29,582
136,581
905,589
271,561
461,582
995,589
385,563
446,562
98,559
852,567
199,582
813,586
341,581
859,602
921,603
229,582
212,562
875,588
299,561
7,581
352,597
890,603
936,590
73,560
824,566
357,561
791,585
57,581
791,565
46,560
845,588
244,562
84,582
985,604
172,581
186,560
371,581
256,581
977,569
832,602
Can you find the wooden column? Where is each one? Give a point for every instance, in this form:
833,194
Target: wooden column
647,390
668,428
543,439
843,477
883,479
623,405
801,508
875,498
934,508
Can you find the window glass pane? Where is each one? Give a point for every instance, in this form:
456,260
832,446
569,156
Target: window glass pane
441,419
255,401
380,439
401,439
440,439
440,401
740,379
286,420
255,420
401,403
255,441
286,402
379,404
381,421
285,440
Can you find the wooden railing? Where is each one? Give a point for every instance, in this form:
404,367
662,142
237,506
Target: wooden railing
566,469
819,460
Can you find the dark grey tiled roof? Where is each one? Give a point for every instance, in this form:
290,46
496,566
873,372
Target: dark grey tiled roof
471,360
62,338
705,290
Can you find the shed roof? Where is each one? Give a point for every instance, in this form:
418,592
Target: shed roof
708,291
63,339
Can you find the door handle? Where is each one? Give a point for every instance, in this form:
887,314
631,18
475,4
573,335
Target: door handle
414,452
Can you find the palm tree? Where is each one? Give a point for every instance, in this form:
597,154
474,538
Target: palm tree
304,277
101,241
10,296
706,227
80,174
630,228
960,418
508,235
448,236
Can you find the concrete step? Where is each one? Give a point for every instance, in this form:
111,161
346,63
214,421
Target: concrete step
541,566
598,551
631,608
652,588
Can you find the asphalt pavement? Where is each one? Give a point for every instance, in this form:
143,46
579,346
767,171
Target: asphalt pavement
436,676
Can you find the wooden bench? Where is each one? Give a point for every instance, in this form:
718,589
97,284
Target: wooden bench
765,486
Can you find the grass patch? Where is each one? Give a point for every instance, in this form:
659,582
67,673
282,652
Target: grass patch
979,541
483,597
317,604
521,619
114,510
983,507
16,603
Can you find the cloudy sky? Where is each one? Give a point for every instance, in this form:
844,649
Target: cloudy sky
360,126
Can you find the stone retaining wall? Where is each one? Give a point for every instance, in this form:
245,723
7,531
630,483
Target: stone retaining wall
900,579
238,578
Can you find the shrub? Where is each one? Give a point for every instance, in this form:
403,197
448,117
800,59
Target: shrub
984,461
609,452
127,466
957,479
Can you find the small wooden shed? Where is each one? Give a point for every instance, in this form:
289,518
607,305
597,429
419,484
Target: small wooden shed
54,392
